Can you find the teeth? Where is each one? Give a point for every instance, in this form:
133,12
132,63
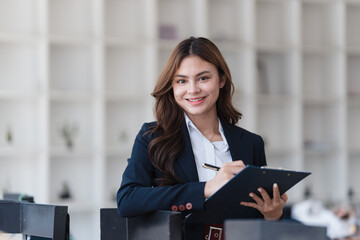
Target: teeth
195,100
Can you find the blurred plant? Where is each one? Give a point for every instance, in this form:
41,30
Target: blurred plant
114,195
307,192
263,81
123,136
68,132
9,135
65,191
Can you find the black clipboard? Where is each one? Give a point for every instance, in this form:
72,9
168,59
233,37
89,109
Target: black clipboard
225,203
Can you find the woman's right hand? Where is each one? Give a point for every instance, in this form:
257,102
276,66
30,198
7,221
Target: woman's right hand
226,172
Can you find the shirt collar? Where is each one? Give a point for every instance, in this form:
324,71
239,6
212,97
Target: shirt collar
189,123
191,127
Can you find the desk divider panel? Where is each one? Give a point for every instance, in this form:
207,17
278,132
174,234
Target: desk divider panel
10,216
264,230
48,221
160,225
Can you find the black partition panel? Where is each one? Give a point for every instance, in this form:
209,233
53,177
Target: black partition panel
112,226
263,230
10,216
47,221
160,225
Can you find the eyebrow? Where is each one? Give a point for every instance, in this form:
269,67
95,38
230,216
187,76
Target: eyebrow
199,74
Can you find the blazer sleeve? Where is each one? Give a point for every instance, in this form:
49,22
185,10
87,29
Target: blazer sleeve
138,193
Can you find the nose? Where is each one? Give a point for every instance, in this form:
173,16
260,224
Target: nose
193,87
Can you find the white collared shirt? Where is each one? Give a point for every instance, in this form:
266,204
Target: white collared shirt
214,153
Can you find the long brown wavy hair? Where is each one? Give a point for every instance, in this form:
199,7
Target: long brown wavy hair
166,147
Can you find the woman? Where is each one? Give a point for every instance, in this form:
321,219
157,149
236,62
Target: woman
195,125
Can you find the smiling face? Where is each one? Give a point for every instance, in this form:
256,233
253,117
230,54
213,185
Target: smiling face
196,87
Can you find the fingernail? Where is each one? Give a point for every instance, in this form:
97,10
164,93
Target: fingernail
251,195
259,189
275,185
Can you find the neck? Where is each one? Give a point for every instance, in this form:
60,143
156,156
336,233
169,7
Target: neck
207,125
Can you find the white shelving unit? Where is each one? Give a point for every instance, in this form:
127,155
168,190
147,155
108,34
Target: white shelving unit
88,67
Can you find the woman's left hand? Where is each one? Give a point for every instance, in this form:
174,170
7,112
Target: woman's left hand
272,209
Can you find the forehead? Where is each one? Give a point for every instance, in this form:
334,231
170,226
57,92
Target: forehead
194,64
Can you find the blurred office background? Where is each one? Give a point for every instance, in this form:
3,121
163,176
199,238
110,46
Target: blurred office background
76,78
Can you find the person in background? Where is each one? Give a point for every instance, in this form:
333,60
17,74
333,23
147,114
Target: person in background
195,124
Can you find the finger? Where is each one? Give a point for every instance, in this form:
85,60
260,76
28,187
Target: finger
264,195
276,194
284,197
236,163
240,163
257,199
233,167
250,204
235,170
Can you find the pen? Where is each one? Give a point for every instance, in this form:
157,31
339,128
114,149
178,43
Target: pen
209,166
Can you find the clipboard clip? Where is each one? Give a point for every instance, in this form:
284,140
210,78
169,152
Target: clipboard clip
267,167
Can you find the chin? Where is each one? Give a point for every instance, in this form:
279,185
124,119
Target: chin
195,112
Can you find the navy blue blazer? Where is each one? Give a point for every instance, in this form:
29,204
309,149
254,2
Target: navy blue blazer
138,193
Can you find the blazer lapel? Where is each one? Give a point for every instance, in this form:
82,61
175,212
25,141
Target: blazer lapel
185,166
240,149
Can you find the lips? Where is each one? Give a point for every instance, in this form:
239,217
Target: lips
195,99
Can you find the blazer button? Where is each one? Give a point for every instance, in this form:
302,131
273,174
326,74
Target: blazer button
174,208
181,207
188,206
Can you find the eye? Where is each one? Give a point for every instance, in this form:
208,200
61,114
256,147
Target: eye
203,78
180,81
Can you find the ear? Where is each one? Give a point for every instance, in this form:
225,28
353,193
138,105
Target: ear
222,81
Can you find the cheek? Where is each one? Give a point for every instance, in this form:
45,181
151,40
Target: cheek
177,93
215,92
179,89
